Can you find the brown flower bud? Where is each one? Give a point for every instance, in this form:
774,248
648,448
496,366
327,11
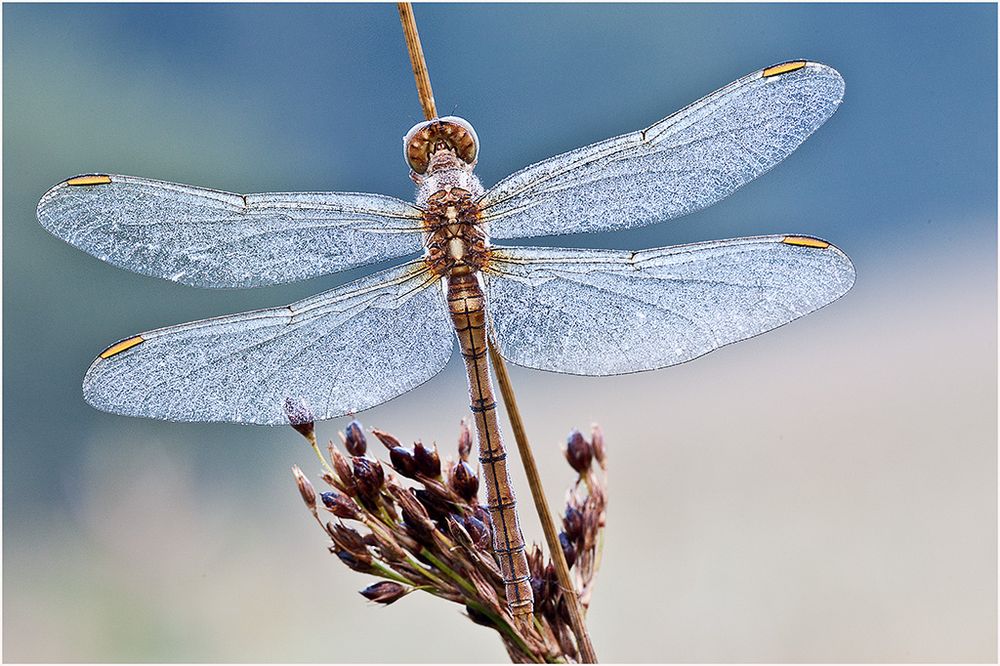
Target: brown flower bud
428,462
368,477
464,441
573,523
569,550
300,417
579,453
597,438
388,441
354,439
339,505
403,461
305,488
463,481
385,592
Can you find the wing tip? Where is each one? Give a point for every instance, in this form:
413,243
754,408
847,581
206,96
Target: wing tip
814,243
818,68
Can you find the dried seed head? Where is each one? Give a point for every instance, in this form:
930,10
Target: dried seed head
569,550
388,441
305,488
597,438
339,505
403,461
579,453
428,462
573,523
301,417
368,477
385,592
464,440
354,439
463,481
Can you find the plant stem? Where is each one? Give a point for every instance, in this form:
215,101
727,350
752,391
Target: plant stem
538,496
416,52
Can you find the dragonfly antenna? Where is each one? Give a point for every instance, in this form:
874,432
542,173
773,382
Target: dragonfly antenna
417,59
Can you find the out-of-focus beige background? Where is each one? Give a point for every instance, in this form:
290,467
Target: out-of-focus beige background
825,492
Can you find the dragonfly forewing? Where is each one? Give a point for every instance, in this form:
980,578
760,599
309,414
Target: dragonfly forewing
606,312
683,163
336,353
208,238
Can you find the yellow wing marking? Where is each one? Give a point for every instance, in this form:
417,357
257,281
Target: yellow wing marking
119,347
805,241
784,68
89,180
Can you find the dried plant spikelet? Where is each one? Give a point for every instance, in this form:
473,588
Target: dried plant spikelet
464,440
300,417
387,440
403,461
478,532
573,523
456,528
569,550
597,441
340,505
354,439
347,538
428,461
369,477
463,481
305,489
478,617
385,592
578,452
344,469
485,591
391,551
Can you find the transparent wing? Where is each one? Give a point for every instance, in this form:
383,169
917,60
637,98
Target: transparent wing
339,352
681,164
606,312
208,238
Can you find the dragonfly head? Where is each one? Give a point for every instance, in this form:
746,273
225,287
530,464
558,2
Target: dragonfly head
447,142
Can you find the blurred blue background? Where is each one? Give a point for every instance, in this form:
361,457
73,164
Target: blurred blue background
826,492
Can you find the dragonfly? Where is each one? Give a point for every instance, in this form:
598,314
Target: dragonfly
585,312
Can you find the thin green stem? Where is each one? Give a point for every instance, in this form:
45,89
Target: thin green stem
448,571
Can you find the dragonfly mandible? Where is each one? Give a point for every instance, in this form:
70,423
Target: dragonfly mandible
586,312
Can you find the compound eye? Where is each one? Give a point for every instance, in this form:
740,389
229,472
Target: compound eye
417,146
467,142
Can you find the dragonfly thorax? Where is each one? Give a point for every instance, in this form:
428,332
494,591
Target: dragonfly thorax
453,235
